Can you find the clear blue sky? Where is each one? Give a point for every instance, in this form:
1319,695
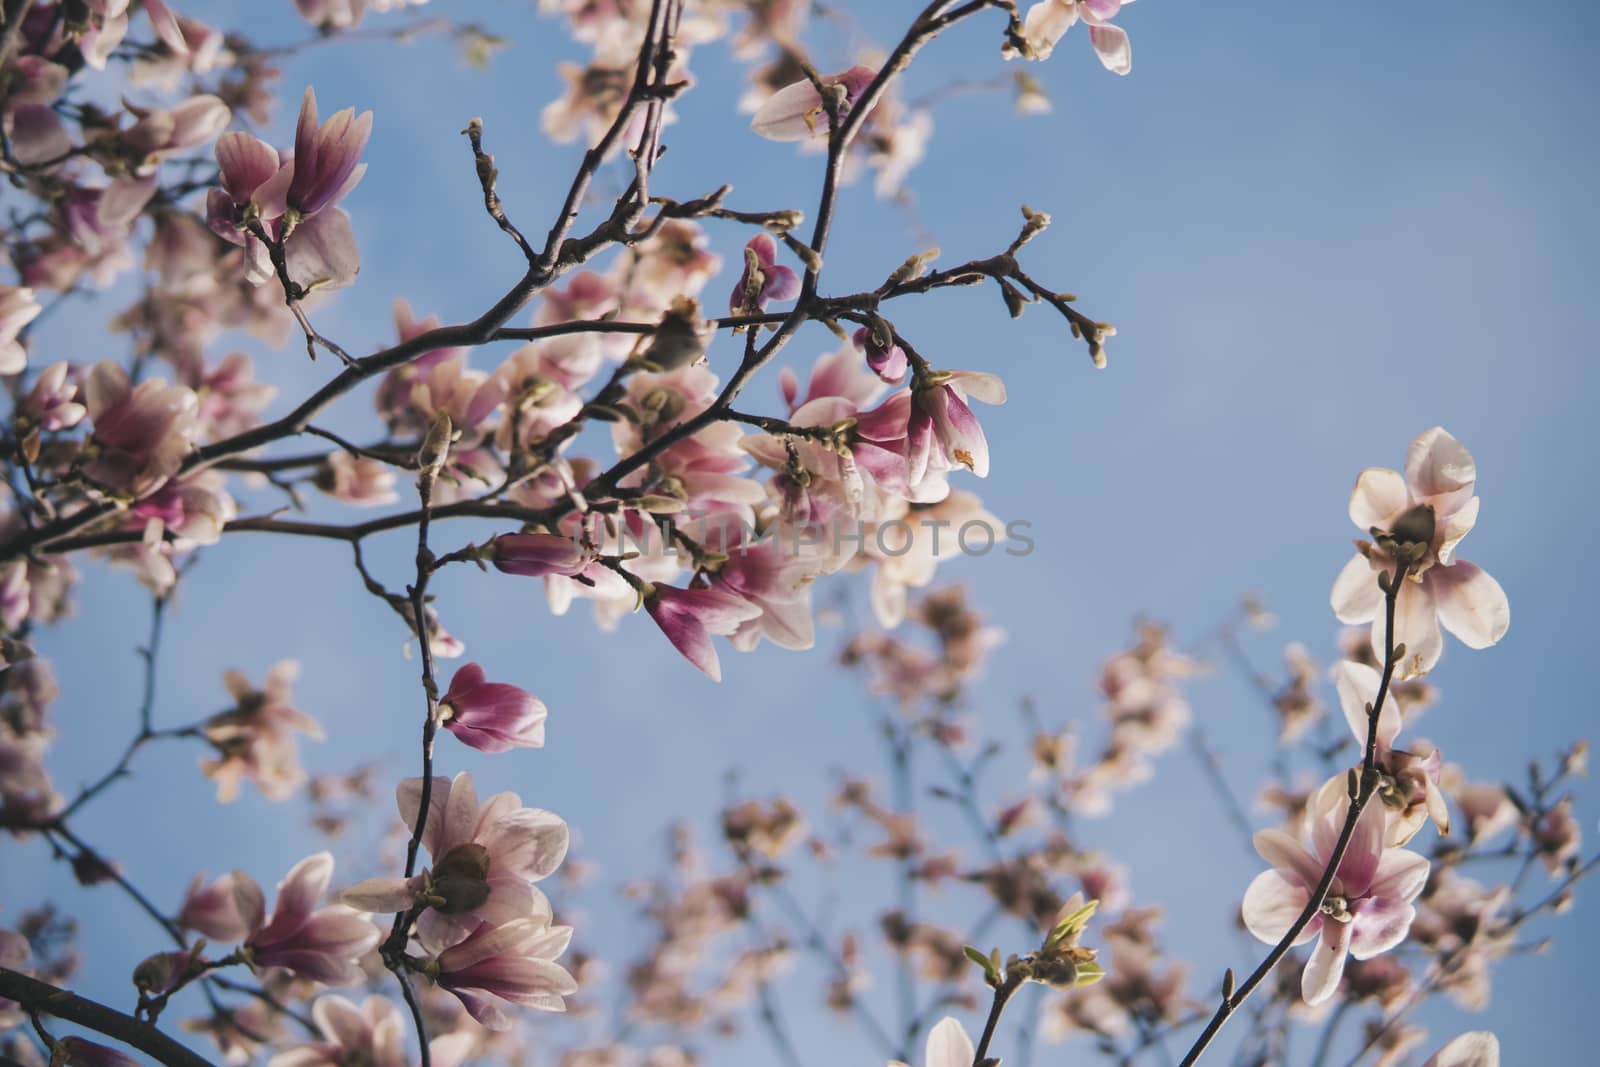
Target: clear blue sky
1318,232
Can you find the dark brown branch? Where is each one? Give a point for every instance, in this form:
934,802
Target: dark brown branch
41,997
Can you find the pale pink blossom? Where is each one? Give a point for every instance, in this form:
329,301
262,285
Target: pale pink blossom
325,945
159,132
141,433
1475,1048
948,1046
1048,21
1368,908
373,1035
359,480
498,965
1432,504
491,716
485,859
53,402
255,738
1408,787
17,309
797,113
213,910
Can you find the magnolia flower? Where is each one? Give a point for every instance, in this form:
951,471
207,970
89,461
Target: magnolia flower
513,963
888,363
1049,21
796,112
327,159
763,280
1475,1048
484,860
1368,908
690,616
141,433
538,555
1409,784
1433,506
359,480
491,716
948,1046
943,433
255,738
213,910
17,309
373,1035
324,945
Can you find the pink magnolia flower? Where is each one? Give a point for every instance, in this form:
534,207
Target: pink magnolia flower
796,112
141,433
158,133
373,1035
1409,787
943,431
491,716
255,738
689,617
485,859
887,363
538,555
948,1046
509,964
1475,1048
1433,504
255,181
325,945
213,910
1048,21
763,279
17,309
1368,909
327,159
358,480
55,402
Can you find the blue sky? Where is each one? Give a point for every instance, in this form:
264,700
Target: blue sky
1318,235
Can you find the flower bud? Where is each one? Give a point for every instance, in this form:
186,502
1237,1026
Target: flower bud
435,450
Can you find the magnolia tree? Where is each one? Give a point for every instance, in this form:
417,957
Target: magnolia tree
593,419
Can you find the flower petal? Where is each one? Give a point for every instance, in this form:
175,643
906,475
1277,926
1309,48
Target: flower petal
1470,603
1326,965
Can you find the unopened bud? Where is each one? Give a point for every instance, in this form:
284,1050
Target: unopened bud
435,450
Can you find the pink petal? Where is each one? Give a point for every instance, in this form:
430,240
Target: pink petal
1326,965
1379,925
1401,875
948,1045
1416,625
1285,853
1440,470
1271,905
1476,1048
1378,499
1357,685
1356,597
1470,604
1111,44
